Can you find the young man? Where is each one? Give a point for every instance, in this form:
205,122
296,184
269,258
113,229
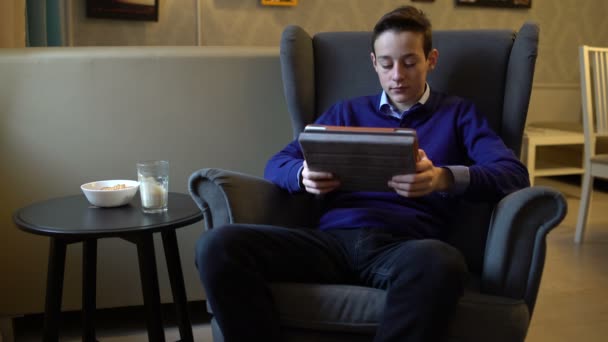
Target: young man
389,240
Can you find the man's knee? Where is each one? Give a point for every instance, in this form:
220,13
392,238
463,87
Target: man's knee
212,246
438,260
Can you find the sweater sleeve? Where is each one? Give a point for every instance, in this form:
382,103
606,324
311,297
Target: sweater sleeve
496,171
284,168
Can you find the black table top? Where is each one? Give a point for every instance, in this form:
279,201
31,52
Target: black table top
74,216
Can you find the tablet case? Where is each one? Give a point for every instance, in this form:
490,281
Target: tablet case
363,158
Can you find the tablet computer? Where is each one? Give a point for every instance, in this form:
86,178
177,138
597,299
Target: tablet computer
363,158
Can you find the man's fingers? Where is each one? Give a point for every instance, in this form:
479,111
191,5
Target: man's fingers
404,178
412,193
413,178
320,187
415,187
421,154
316,175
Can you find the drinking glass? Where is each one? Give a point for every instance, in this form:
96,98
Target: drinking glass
153,177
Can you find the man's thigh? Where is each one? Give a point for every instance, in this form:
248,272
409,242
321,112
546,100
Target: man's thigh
411,261
277,253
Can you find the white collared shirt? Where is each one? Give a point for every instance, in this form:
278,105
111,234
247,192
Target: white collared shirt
387,108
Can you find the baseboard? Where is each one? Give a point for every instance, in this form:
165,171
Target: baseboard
111,319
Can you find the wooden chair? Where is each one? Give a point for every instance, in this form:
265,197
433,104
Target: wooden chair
594,91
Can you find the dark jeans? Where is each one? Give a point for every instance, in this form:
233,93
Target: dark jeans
423,278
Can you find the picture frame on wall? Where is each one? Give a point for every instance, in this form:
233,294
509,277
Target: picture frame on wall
123,9
279,2
496,3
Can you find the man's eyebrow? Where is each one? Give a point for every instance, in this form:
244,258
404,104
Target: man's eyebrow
408,55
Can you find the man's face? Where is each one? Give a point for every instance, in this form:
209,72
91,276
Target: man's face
401,66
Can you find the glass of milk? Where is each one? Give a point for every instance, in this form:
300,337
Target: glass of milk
153,177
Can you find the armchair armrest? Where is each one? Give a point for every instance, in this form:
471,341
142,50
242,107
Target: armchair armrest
516,245
231,197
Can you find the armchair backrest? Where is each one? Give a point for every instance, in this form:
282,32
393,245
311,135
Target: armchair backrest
493,68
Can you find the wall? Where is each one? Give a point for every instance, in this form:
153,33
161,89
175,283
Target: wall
176,26
12,23
71,116
565,24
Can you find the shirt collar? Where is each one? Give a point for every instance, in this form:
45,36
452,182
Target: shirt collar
387,108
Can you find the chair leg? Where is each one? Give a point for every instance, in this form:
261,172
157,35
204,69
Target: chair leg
583,211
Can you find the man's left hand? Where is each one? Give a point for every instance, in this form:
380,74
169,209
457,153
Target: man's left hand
427,179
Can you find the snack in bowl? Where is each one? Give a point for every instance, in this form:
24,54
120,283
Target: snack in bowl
115,187
110,193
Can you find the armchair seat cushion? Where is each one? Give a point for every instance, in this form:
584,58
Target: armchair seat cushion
357,309
329,307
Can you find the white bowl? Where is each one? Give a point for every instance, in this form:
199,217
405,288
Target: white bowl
98,194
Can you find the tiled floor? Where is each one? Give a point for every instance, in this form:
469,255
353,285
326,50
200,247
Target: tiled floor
572,304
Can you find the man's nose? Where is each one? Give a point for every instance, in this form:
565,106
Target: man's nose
397,72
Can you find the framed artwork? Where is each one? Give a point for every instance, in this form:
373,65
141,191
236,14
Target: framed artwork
279,2
496,3
123,9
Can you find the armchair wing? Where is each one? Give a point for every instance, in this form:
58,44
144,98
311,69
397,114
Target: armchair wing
518,84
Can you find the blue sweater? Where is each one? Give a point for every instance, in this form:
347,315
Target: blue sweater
450,130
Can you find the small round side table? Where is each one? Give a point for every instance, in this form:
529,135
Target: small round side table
72,219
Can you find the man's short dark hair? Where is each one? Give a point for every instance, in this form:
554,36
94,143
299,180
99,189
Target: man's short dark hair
405,18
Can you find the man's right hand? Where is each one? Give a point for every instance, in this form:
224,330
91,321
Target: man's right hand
317,183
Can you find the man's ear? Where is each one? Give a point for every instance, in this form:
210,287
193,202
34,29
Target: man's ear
373,57
433,58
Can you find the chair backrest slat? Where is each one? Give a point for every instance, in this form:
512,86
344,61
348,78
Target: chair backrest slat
602,114
599,78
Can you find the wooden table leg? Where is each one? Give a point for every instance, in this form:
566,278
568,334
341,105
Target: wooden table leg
530,157
176,277
89,289
149,285
54,289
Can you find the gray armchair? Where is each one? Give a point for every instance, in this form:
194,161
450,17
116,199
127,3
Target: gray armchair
503,243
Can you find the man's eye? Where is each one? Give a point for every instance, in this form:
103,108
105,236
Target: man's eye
387,67
410,65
